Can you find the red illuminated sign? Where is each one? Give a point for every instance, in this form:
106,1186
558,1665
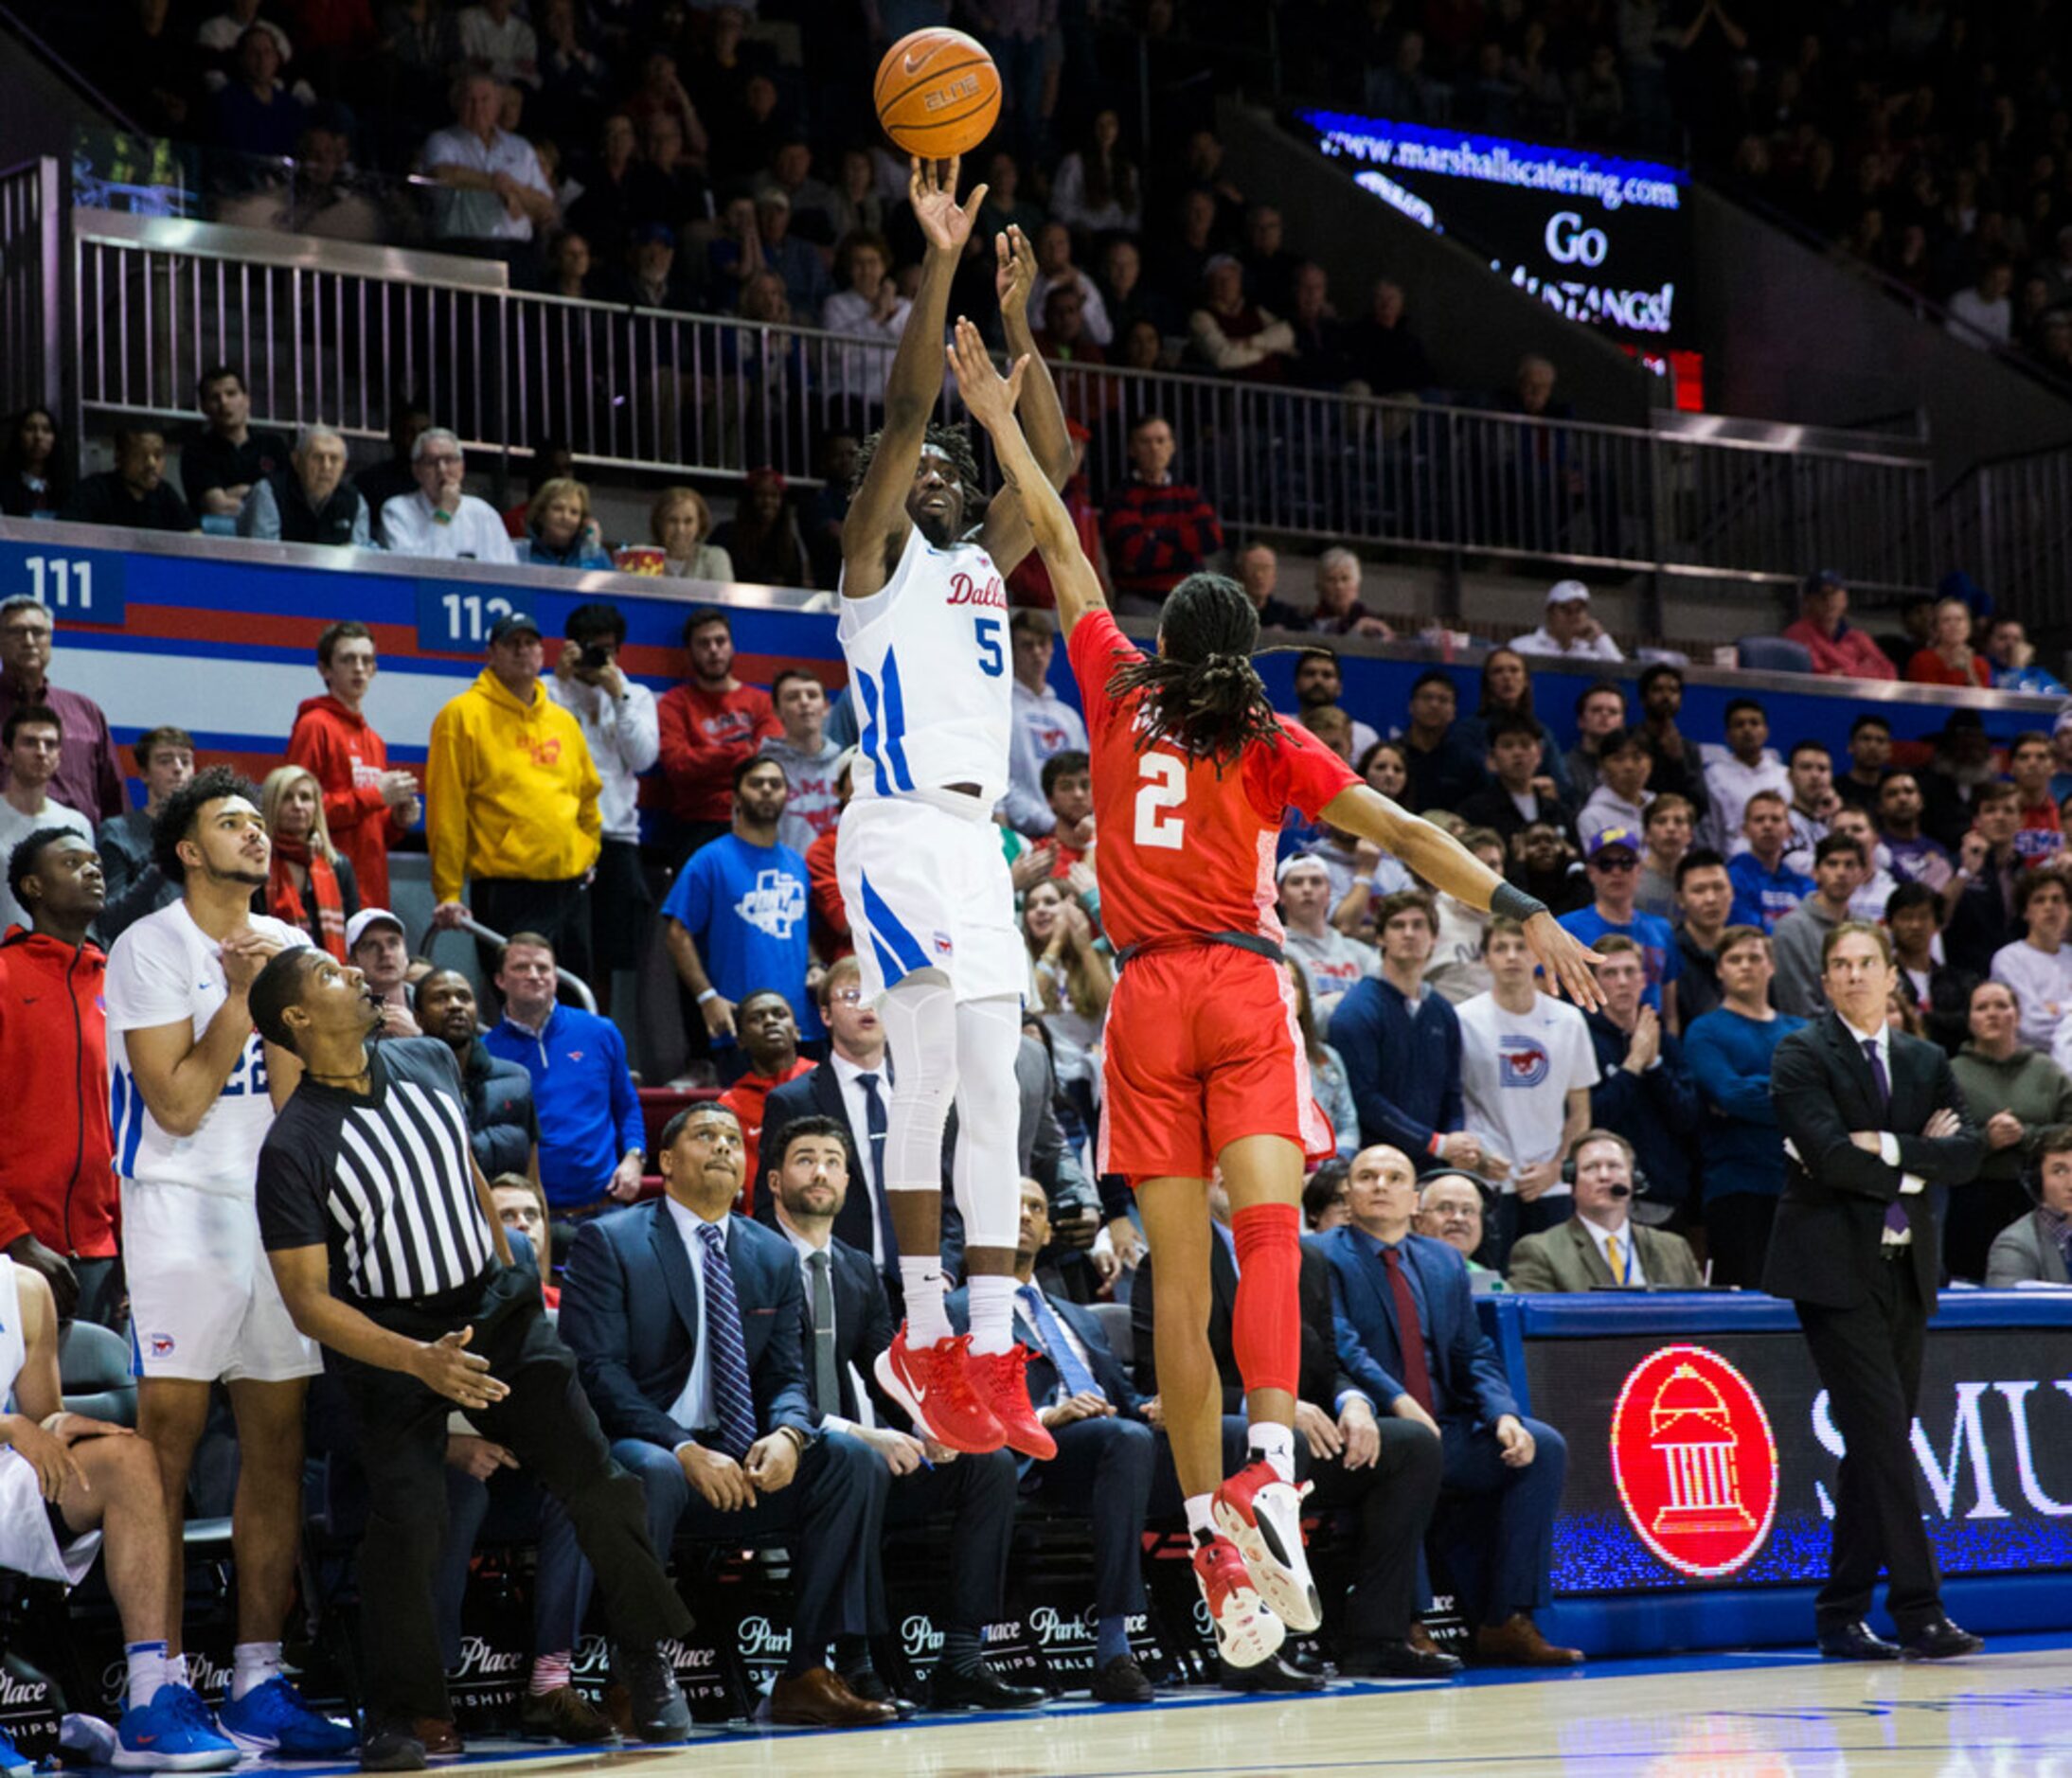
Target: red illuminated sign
1695,1460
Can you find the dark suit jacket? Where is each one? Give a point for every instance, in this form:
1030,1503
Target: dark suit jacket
1464,1362
1566,1258
1043,1375
629,1314
817,1094
1830,1221
1321,1380
863,1328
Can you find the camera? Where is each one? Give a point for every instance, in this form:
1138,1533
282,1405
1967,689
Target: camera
593,655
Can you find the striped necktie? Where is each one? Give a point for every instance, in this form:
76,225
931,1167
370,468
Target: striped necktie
733,1400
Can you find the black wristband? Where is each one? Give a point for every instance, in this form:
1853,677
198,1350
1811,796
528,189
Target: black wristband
1513,903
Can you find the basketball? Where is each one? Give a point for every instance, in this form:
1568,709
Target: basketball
938,93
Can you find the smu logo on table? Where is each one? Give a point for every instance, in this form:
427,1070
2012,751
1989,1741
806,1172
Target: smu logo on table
1695,1460
1521,1061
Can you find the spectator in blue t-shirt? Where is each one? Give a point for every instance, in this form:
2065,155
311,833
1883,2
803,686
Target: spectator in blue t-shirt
1765,887
1613,865
591,1133
737,918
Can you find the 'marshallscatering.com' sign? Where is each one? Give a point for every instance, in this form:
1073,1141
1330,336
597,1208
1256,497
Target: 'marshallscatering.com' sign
1604,240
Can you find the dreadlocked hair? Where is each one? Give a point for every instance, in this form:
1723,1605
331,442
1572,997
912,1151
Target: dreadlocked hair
954,442
1201,694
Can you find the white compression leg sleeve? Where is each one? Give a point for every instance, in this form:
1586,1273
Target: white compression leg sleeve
920,1031
987,1171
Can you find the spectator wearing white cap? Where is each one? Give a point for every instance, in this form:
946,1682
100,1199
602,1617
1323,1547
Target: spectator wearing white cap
376,947
1568,630
1330,962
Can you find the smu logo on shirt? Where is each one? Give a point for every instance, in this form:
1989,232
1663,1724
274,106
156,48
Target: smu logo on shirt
1521,1061
966,591
1049,738
776,904
545,749
1335,977
728,726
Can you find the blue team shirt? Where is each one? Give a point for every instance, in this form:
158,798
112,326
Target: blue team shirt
1655,936
746,906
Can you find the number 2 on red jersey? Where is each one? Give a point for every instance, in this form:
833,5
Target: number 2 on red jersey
1162,789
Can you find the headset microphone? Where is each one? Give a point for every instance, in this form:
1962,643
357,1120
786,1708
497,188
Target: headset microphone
1619,1191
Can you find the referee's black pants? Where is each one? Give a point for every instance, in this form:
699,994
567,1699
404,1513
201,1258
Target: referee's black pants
548,1422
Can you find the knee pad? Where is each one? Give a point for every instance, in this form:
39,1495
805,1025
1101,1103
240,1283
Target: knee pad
987,1169
919,1019
1266,1323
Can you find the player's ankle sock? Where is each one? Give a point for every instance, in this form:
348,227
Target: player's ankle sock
962,1652
992,1312
1112,1638
1200,1519
921,1280
147,1671
550,1673
251,1665
176,1671
1270,1442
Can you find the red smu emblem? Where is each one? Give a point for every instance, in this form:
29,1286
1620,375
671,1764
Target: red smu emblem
1695,1460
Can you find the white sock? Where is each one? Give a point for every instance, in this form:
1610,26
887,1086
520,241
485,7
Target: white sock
251,1665
921,1279
176,1671
992,1312
1276,1443
148,1664
550,1671
1201,1522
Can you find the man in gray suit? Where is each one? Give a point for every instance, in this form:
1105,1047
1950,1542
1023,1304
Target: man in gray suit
2036,1249
1601,1247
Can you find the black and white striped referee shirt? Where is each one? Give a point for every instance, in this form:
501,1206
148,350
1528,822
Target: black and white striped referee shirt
382,1180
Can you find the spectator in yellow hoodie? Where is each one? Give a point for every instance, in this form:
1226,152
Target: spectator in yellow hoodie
511,803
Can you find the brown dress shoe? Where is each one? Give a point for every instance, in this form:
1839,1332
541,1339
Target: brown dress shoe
818,1698
438,1736
1420,1639
567,1715
1517,1643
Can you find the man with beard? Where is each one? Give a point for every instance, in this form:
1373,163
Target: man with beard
1678,770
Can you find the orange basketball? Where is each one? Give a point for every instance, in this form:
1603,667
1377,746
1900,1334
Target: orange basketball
938,93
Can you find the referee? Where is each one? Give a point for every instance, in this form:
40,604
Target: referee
386,1249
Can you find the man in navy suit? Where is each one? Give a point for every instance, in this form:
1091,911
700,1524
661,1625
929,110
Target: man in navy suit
1388,1284
687,1323
850,1322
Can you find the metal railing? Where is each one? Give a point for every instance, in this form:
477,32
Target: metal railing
325,330
2009,525
31,336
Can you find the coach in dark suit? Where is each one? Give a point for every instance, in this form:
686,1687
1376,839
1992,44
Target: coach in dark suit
1385,1470
849,1323
1871,1117
1408,1338
688,1325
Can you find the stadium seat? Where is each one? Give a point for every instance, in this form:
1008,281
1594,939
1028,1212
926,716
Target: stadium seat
94,1372
1771,654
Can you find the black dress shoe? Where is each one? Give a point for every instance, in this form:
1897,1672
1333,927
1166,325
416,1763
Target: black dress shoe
1122,1681
981,1688
1940,1640
1397,1660
1856,1641
1277,1673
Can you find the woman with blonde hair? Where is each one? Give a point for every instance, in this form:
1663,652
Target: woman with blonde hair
309,883
1074,979
680,522
564,533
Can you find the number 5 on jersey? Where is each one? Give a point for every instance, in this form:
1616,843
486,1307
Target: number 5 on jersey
1162,789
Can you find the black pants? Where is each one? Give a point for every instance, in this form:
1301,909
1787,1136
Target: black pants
1392,1500
619,908
547,1421
1868,1357
1737,1236
978,1493
559,912
103,1291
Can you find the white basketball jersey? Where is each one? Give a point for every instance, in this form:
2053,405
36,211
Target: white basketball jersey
931,670
164,969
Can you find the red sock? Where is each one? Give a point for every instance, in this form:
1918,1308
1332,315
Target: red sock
1266,1327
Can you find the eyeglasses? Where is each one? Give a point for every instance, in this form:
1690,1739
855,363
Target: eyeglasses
847,996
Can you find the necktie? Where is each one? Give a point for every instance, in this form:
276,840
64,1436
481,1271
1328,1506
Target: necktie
1616,1258
1417,1374
826,1387
733,1401
1077,1378
875,1125
1895,1212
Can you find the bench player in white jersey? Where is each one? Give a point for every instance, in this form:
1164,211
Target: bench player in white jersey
68,1483
193,1090
924,628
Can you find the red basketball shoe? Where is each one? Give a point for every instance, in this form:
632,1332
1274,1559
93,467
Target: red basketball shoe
1002,1382
1246,1631
934,1384
1262,1516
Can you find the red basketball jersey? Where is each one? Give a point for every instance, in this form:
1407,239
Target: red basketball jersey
1180,851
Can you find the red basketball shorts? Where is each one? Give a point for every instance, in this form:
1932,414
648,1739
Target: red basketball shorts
1202,1048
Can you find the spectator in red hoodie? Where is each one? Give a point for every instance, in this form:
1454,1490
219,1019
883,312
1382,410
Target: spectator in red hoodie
770,1035
1837,646
709,724
366,806
829,913
57,1167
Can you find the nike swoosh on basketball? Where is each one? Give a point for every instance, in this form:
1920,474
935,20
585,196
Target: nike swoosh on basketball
914,61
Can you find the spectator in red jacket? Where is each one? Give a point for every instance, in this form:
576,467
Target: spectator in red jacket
57,1167
1837,646
367,807
770,1035
1949,659
829,912
709,724
1158,530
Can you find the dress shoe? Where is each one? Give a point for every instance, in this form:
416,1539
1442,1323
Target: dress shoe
1856,1641
441,1738
874,1688
1122,1681
1940,1640
1517,1643
1397,1660
1277,1673
817,1698
567,1715
1420,1639
981,1688
392,1745
655,1701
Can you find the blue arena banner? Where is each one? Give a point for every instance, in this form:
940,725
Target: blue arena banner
455,616
80,586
